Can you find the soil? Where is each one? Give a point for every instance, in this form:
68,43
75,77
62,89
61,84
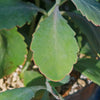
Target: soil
77,83
11,81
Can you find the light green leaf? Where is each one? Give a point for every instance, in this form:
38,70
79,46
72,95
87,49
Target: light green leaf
54,46
90,9
20,94
17,13
12,51
32,78
90,68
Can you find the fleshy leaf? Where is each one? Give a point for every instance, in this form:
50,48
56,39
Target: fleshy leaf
90,68
54,46
88,29
8,1
62,82
20,94
16,13
32,78
45,96
90,9
12,51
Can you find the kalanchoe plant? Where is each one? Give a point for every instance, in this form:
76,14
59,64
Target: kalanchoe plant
51,35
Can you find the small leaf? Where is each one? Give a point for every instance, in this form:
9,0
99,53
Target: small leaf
20,94
32,78
90,68
62,82
16,13
90,9
86,49
12,51
46,96
55,48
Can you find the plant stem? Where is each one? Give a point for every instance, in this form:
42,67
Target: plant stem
51,10
58,2
25,67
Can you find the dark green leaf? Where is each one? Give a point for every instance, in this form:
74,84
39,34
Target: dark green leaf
55,48
17,13
90,68
45,96
20,94
91,32
89,8
9,1
86,49
12,51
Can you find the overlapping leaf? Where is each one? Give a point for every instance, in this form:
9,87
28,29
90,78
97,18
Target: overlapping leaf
55,48
90,68
12,51
26,93
90,9
91,32
20,94
62,82
32,78
16,13
9,1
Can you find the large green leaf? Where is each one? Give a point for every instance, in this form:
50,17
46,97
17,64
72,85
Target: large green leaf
16,13
90,68
88,29
55,48
89,8
20,94
12,51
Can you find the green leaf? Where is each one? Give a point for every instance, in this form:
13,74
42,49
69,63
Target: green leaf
32,78
88,29
89,8
62,82
17,13
86,49
20,94
55,48
90,68
46,96
12,51
8,1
